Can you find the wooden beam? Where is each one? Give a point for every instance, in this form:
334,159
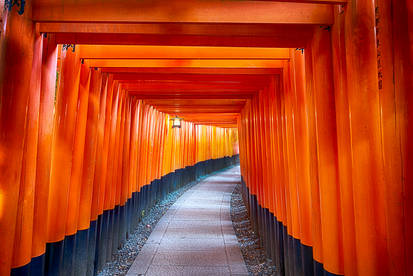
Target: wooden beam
197,71
288,40
193,63
204,110
191,87
331,2
190,77
205,29
185,94
179,52
191,11
152,96
180,84
196,102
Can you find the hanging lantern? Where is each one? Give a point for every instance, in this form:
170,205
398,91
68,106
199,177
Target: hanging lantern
176,122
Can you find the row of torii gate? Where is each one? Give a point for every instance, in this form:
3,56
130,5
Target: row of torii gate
319,93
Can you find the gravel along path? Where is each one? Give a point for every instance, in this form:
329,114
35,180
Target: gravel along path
254,255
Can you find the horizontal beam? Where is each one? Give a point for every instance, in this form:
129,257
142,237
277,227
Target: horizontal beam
182,111
199,108
157,88
147,85
197,71
178,52
222,96
210,117
196,102
204,29
199,94
331,2
190,77
288,40
191,11
192,63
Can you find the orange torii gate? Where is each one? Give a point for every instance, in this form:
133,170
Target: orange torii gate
319,91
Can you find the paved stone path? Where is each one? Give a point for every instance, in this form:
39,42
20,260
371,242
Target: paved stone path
195,236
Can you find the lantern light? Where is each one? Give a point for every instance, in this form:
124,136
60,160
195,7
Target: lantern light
176,122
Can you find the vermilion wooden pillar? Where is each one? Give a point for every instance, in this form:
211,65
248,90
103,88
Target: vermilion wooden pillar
16,59
78,151
325,124
62,146
44,147
303,157
344,143
96,108
104,134
403,33
22,251
369,188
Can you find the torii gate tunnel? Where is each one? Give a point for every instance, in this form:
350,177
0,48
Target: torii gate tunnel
313,98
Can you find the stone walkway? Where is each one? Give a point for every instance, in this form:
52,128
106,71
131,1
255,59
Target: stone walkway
195,236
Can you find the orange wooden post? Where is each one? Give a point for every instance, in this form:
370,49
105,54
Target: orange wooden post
96,107
119,151
44,147
104,136
110,166
314,178
327,152
403,72
133,146
290,128
369,189
78,152
126,154
62,146
76,245
16,59
24,218
97,190
395,71
344,145
302,148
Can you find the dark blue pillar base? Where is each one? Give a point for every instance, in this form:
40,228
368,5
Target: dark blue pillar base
289,255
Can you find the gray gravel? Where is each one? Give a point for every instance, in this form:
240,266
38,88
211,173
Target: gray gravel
123,259
254,255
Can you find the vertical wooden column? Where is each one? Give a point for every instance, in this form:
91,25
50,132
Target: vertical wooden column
369,188
314,177
327,151
111,149
62,156
395,72
16,59
44,147
344,143
78,151
24,218
391,107
104,136
69,254
93,162
62,146
302,134
403,36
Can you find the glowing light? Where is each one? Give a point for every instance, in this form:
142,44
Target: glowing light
176,122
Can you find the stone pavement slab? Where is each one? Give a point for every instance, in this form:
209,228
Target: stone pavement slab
195,237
